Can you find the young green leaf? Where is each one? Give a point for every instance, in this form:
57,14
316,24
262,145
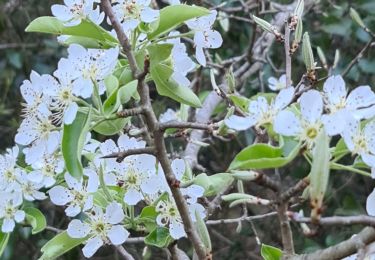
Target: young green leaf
203,232
159,237
270,252
48,24
319,174
36,219
74,136
4,238
173,16
59,245
213,184
264,156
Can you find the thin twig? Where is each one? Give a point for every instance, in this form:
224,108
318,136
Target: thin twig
357,57
123,154
186,125
124,253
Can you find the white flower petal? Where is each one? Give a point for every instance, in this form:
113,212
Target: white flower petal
311,106
60,195
73,210
284,97
361,96
78,229
8,225
334,89
19,216
239,123
114,213
118,235
370,204
286,123
92,245
176,229
70,113
132,197
199,55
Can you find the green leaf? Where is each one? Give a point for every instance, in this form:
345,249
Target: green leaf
166,86
59,245
173,16
111,126
213,184
270,252
264,156
86,42
49,24
319,174
148,217
119,97
74,136
203,231
4,238
159,237
111,84
36,219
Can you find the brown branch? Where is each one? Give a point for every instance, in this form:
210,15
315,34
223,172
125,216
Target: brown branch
343,249
357,57
185,125
266,181
123,154
130,112
286,231
291,192
123,39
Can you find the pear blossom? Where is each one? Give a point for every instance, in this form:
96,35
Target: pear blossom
168,216
9,210
359,103
360,141
305,127
277,84
9,170
74,11
260,112
41,136
100,228
204,36
131,13
77,195
181,62
45,170
32,92
29,189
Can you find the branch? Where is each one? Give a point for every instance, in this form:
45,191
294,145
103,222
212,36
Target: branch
291,192
236,220
266,181
130,112
122,155
123,39
185,125
124,253
288,58
338,220
286,231
343,249
358,57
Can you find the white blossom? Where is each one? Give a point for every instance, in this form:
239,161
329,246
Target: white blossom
360,141
9,170
359,103
169,115
181,62
77,195
205,36
36,102
74,11
277,84
131,13
9,210
260,112
40,135
101,228
306,126
168,216
29,189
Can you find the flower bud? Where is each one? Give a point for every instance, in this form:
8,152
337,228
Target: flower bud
308,56
356,18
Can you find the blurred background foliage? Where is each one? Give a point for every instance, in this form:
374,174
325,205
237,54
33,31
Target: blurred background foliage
330,27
